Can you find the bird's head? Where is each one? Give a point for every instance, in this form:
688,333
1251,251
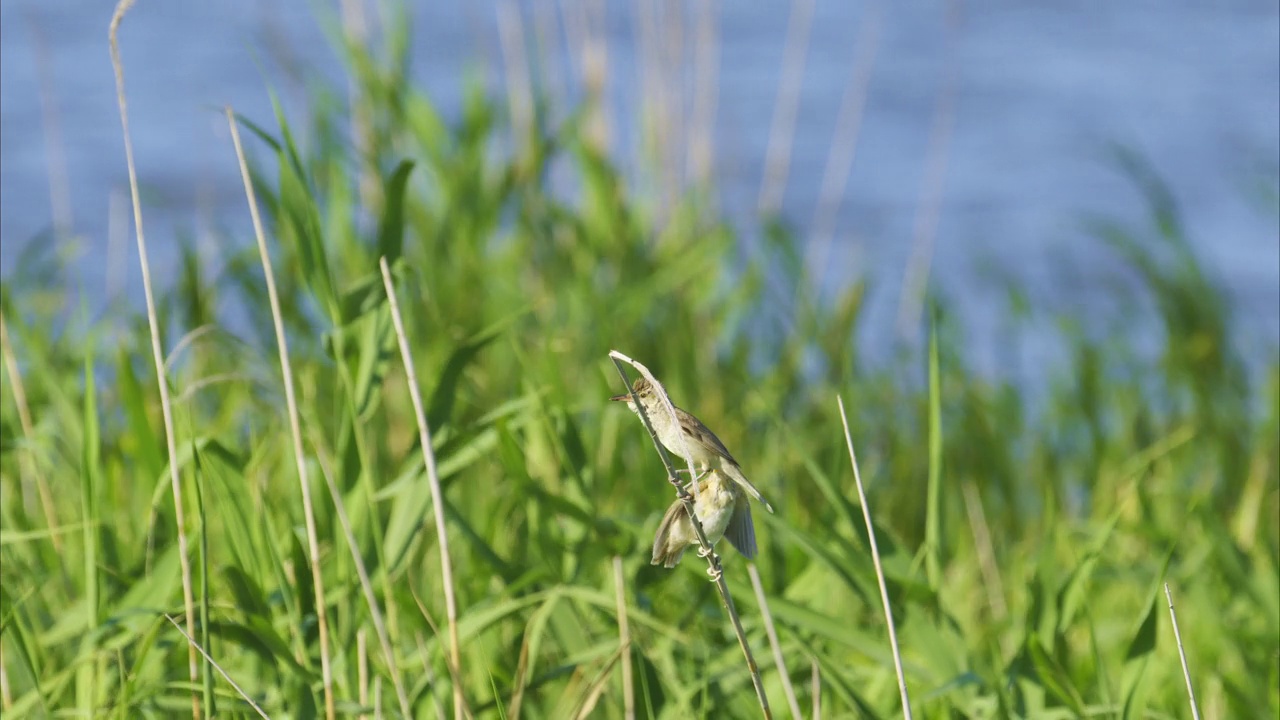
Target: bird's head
643,390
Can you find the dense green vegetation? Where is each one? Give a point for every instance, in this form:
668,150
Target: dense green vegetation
1025,543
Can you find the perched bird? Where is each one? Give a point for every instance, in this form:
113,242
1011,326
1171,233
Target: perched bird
723,510
719,498
708,453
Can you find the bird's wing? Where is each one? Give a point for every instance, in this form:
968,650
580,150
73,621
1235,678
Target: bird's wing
741,531
694,427
662,554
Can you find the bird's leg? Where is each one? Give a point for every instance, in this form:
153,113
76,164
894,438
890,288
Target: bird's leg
687,471
692,487
714,570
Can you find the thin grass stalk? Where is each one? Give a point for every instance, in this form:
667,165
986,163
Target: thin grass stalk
295,424
521,680
362,670
6,694
516,70
986,552
552,85
624,640
206,677
673,87
175,353
844,145
55,146
195,647
706,94
595,73
29,462
157,355
192,389
815,688
713,560
426,659
933,488
767,617
1244,527
596,688
87,674
355,32
875,557
1182,655
916,278
433,479
644,22
777,163
366,585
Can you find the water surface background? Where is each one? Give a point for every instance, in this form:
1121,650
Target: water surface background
1038,93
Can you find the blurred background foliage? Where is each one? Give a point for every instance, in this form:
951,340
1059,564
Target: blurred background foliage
1032,587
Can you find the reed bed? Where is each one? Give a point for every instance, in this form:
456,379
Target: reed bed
200,517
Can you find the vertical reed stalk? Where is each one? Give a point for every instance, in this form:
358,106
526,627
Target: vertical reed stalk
295,424
875,557
157,356
772,633
55,147
624,640
31,466
713,560
706,93
777,161
437,497
1182,655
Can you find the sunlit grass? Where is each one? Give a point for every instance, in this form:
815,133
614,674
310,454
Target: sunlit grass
1025,545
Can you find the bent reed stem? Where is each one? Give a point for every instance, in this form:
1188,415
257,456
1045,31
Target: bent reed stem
713,560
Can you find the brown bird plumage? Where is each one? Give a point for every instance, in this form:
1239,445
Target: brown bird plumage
723,510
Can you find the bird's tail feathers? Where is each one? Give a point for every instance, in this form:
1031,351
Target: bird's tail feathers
735,472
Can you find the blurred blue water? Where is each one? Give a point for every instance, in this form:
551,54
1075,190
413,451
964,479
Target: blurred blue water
1040,92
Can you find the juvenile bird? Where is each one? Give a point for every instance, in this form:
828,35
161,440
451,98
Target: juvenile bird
723,510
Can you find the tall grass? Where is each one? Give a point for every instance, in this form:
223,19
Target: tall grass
1025,545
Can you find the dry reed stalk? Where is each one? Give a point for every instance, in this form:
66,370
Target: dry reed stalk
706,93
772,633
844,145
875,557
225,676
708,551
815,688
356,32
1182,656
777,162
516,70
295,424
433,482
624,640
366,585
30,465
362,670
986,552
55,146
157,354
